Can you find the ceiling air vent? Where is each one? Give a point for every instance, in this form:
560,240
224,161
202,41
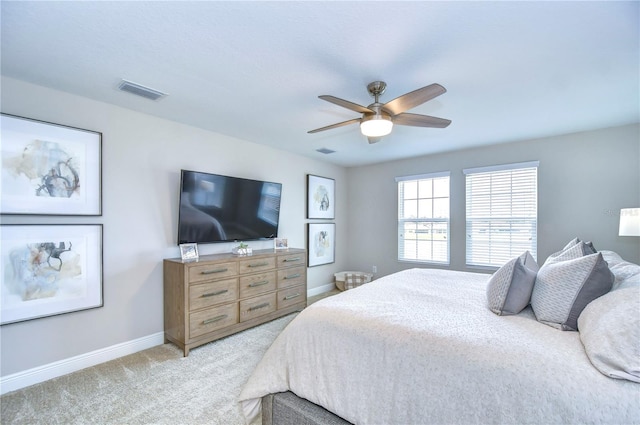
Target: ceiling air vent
139,90
325,151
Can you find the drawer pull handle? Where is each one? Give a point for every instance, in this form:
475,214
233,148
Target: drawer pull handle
254,284
292,276
259,306
213,294
290,297
214,271
215,319
257,264
287,260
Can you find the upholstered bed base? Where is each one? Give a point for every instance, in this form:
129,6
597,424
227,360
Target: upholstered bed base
289,409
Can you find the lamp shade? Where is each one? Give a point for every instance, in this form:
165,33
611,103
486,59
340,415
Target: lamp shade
378,126
629,222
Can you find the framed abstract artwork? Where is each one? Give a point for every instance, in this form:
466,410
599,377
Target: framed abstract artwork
321,243
320,197
49,270
49,169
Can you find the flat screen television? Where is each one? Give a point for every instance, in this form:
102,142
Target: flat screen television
216,208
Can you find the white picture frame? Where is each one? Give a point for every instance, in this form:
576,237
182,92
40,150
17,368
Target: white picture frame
189,251
280,243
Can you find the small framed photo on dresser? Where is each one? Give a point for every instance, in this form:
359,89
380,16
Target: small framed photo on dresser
281,243
189,251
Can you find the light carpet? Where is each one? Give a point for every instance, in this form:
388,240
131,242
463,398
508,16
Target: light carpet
154,386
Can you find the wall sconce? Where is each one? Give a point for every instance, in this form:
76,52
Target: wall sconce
629,222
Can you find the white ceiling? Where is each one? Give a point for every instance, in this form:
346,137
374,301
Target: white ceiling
253,70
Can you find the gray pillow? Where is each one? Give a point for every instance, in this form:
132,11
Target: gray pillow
572,250
509,288
563,289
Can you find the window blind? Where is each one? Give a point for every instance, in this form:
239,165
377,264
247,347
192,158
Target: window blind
501,213
423,218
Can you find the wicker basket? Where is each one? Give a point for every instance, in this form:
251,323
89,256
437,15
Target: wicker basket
340,277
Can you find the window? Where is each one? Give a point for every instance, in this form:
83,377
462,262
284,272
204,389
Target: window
502,213
423,218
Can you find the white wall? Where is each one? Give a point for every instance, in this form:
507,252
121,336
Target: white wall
583,181
141,158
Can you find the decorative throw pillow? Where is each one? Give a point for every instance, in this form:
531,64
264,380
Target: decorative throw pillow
563,289
509,288
571,251
610,333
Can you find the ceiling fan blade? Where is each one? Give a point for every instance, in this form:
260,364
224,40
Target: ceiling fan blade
340,124
345,104
420,120
413,99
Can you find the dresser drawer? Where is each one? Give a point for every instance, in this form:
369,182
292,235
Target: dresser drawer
291,260
257,284
204,272
212,319
291,277
257,306
254,265
291,296
212,293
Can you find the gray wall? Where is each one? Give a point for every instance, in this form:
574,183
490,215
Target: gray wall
141,158
583,181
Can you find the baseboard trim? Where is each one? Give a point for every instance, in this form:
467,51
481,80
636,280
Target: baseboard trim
320,289
39,374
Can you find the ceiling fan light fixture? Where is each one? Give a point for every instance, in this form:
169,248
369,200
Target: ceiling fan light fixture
376,126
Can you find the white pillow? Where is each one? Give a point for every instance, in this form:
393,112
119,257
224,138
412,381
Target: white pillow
610,333
626,273
563,289
509,288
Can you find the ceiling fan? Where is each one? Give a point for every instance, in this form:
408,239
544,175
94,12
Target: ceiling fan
378,118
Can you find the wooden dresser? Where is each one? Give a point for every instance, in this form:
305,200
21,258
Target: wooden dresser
222,294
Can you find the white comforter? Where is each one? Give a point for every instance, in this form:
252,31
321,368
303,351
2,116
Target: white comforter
421,347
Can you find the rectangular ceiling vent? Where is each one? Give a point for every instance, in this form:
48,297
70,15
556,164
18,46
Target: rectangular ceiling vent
325,151
140,90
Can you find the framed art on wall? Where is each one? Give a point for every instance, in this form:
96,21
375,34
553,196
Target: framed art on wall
321,241
49,169
49,269
320,197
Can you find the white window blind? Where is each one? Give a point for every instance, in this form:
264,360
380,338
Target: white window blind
501,213
423,218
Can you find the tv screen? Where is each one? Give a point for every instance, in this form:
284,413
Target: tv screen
216,208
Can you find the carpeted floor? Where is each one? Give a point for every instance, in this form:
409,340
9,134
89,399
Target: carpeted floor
154,386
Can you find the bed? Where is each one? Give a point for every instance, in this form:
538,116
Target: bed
422,346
